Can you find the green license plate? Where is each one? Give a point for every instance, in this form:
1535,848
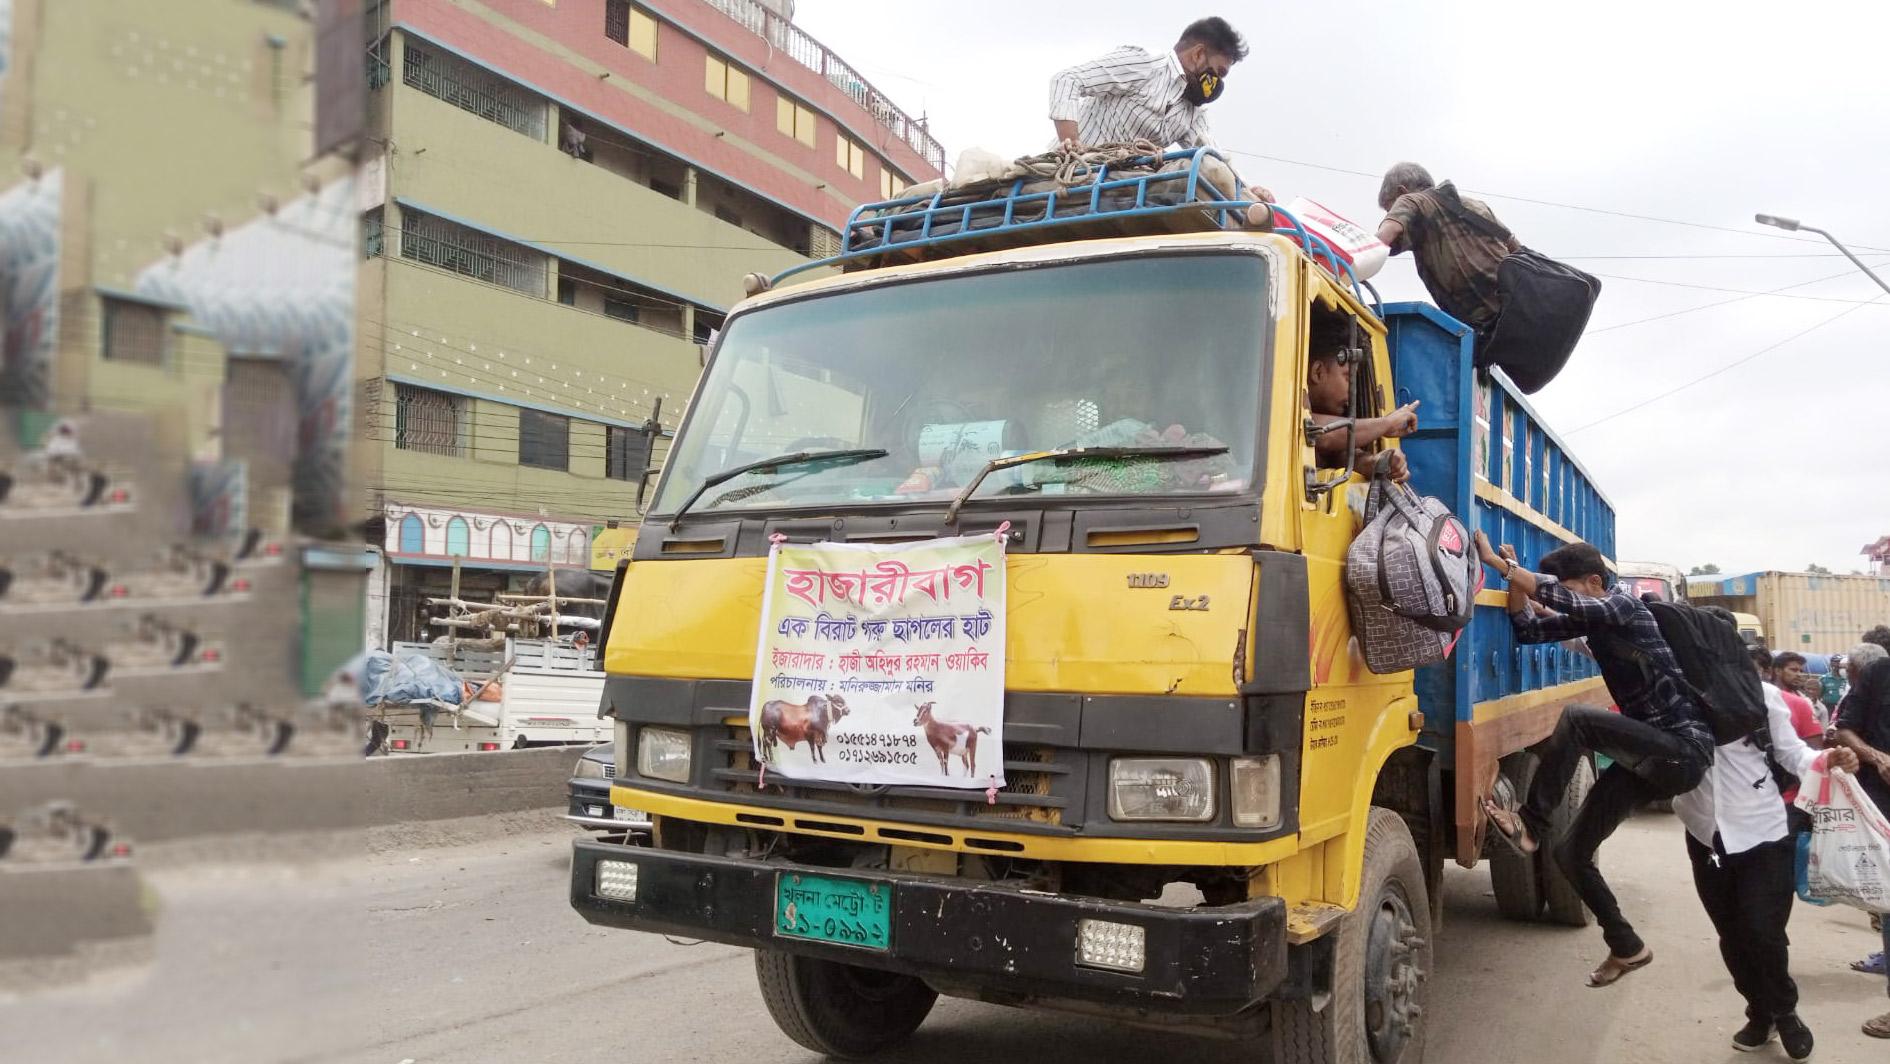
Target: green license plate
847,912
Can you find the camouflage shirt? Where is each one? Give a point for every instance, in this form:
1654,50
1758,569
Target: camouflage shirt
1455,260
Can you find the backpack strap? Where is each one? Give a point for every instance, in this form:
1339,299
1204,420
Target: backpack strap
1489,227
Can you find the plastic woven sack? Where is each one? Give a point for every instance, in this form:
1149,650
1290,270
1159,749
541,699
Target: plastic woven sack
1849,860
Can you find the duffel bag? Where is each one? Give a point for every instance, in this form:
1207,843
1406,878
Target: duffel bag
1411,579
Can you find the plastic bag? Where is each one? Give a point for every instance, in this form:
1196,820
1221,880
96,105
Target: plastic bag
1802,865
1849,860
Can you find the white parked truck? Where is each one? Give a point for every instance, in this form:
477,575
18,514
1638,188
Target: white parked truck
549,691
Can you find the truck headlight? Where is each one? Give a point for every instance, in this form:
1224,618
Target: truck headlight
1161,788
663,754
1256,787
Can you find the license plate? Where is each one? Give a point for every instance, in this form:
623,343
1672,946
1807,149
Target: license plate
846,912
621,813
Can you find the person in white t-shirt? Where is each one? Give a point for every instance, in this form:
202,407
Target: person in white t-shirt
1745,866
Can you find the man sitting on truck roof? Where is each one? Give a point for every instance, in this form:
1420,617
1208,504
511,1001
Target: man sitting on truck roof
1329,393
1134,94
1456,260
1660,743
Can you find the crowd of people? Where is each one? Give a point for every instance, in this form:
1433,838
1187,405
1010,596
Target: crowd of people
1735,798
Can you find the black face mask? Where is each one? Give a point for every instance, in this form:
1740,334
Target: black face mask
1203,88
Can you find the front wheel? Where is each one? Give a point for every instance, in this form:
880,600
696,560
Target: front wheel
841,1010
1375,1014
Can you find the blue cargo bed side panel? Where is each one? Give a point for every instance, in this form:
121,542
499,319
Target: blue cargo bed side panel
1431,357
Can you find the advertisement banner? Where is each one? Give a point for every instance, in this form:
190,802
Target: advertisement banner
883,664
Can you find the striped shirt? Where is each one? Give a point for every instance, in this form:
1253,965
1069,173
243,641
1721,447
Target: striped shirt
1129,94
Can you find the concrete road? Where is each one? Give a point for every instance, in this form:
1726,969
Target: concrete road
470,954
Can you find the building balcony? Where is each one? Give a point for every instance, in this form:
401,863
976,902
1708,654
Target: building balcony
456,165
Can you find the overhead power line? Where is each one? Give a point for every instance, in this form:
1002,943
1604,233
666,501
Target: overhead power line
1609,211
1710,374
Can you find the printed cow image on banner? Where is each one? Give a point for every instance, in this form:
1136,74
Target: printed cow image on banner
883,664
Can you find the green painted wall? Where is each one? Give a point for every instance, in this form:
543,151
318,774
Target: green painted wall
486,175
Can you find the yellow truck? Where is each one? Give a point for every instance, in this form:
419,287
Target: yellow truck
1214,817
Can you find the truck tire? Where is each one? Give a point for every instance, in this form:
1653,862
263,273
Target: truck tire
841,1010
1382,961
1514,878
1561,905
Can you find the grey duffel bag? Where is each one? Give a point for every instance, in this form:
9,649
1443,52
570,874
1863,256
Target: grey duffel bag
1411,579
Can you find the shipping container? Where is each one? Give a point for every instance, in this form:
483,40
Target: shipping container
1806,612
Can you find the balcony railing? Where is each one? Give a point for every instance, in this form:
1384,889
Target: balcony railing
815,56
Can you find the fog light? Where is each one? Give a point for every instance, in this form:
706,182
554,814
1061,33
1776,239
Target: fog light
594,810
617,880
1161,788
663,754
1257,791
1103,944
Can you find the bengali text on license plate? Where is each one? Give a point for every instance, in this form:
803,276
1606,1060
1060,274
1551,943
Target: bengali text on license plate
848,912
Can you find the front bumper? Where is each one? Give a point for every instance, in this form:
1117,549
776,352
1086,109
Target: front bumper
1003,942
585,794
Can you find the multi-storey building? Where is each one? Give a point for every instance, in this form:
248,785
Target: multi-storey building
177,260
561,200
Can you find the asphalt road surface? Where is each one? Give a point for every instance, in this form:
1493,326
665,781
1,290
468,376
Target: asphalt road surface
471,954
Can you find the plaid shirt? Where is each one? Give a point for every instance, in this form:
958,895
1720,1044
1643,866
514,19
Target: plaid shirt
1650,696
1455,260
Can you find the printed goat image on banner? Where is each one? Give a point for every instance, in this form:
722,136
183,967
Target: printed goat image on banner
883,664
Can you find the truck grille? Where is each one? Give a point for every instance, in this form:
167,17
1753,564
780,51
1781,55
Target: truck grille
1036,790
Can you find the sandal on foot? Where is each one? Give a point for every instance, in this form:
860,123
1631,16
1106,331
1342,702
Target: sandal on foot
1872,965
1509,828
1879,1027
1614,968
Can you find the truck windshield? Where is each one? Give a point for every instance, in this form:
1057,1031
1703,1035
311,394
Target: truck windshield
945,375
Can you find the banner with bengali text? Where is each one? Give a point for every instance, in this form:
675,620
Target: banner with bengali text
883,664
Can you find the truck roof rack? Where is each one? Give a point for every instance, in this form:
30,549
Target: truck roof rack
1153,196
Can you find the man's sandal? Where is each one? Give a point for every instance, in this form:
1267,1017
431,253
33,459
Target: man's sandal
1509,828
1872,965
1614,968
1879,1027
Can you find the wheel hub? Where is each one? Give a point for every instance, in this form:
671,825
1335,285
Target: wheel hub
1394,974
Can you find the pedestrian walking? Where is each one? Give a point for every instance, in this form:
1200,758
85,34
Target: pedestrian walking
1744,857
1863,725
1659,743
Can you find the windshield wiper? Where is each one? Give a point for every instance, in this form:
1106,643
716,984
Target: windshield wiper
778,462
1070,454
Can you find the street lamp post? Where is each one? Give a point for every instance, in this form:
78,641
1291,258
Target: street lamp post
1793,225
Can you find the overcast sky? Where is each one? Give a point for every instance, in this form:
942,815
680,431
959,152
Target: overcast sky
1690,111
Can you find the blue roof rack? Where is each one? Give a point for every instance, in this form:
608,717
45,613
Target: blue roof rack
927,221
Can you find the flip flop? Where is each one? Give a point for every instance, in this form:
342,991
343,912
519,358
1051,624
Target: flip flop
1872,965
1614,968
1879,1027
1512,833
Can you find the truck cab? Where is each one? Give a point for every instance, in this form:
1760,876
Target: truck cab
1215,818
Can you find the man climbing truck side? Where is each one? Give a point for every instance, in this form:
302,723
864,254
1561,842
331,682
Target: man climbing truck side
1070,438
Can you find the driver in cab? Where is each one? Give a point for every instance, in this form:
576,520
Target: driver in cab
1329,395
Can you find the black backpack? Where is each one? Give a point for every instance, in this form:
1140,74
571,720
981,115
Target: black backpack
1716,668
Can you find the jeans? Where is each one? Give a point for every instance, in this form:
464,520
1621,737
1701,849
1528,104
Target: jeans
1648,764
1749,896
1886,952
